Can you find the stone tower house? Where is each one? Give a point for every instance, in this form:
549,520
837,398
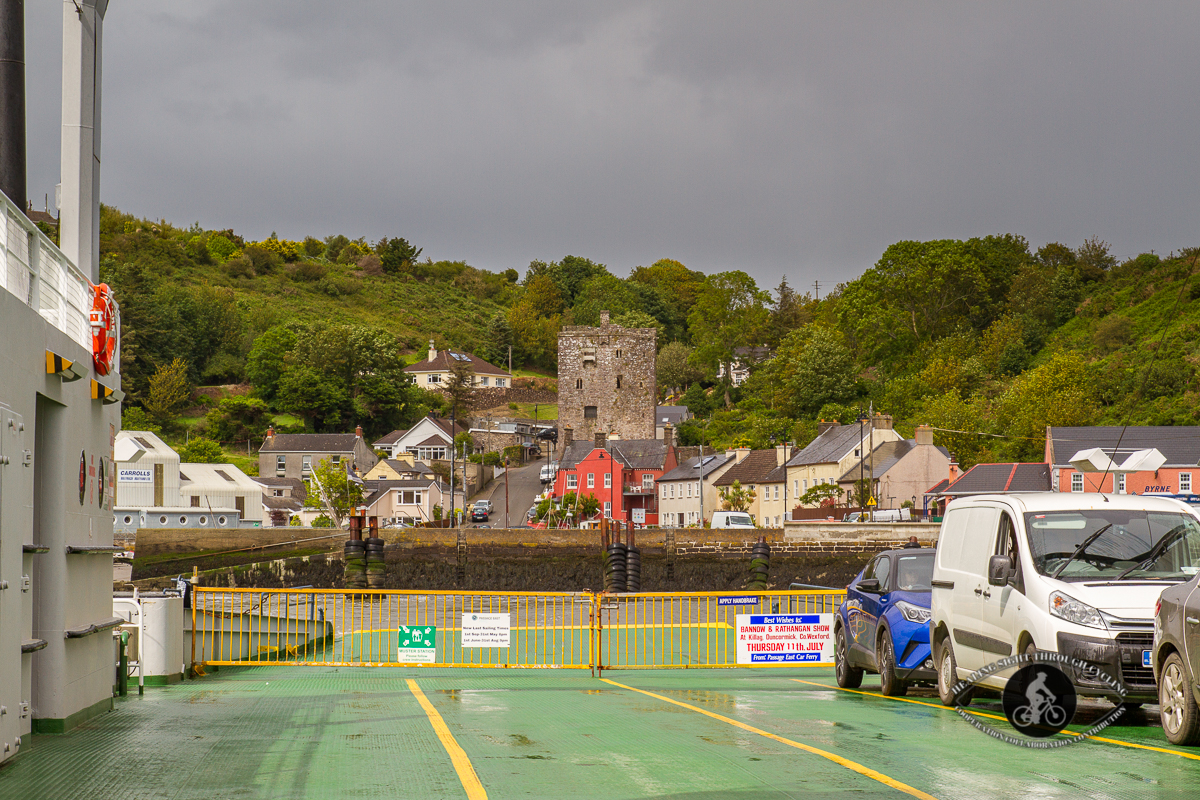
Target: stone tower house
606,381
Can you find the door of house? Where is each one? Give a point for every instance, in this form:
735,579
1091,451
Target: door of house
158,485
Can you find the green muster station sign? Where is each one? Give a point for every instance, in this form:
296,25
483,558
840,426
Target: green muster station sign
416,645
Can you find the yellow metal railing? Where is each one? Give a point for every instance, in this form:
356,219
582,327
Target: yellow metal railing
333,627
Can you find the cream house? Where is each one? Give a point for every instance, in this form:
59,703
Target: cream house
763,472
835,450
680,490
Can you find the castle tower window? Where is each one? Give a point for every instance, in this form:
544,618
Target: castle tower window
589,412
618,352
618,381
579,383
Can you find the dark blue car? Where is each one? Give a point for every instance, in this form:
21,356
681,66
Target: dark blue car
884,624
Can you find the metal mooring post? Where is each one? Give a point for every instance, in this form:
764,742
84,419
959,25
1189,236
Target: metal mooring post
123,667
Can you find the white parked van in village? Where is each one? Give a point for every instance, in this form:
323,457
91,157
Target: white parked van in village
732,519
1074,573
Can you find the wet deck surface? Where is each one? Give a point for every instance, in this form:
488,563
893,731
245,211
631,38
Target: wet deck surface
324,732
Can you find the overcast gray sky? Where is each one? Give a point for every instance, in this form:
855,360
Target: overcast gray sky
789,138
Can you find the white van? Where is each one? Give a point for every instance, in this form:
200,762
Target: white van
549,472
732,519
1074,573
883,515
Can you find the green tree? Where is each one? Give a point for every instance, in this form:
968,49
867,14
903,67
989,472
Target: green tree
332,488
396,255
790,312
459,386
136,419
730,312
572,273
736,497
498,339
1058,392
636,319
268,360
201,451
821,494
811,368
675,370
676,285
312,396
236,419
169,390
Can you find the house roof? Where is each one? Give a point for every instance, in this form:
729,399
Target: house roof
445,358
756,467
687,470
403,466
1000,479
432,441
282,503
220,477
1180,444
830,446
938,487
297,486
631,453
374,490
883,458
389,439
671,415
309,443
756,353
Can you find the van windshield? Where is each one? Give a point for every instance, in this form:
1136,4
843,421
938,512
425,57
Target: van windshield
739,519
1121,544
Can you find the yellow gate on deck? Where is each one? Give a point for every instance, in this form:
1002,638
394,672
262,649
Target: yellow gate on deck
555,630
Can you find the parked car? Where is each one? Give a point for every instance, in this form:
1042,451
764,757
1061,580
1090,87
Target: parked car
883,625
1176,660
480,511
732,519
1074,573
883,515
549,471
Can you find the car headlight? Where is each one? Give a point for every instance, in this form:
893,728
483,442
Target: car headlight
914,613
1066,607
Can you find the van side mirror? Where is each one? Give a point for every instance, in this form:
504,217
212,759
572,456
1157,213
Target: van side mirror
869,585
999,570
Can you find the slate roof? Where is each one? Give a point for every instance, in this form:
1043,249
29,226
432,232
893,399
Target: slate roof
633,453
830,446
309,443
756,467
389,439
297,486
444,358
281,503
883,458
432,441
1180,444
671,415
1000,479
402,466
687,470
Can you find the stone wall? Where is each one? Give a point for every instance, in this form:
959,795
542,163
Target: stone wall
592,361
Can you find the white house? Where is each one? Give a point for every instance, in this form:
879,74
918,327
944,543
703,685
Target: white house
434,370
431,439
679,491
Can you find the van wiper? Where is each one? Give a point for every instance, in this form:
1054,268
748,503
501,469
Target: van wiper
1156,552
1086,543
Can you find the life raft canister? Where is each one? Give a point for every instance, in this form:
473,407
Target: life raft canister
104,335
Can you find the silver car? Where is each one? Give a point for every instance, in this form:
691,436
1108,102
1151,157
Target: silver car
1177,661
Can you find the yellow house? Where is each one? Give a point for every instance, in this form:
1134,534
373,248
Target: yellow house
404,467
836,448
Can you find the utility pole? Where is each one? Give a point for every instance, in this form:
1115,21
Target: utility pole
817,288
451,466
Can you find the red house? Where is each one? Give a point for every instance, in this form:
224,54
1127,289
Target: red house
1180,445
622,474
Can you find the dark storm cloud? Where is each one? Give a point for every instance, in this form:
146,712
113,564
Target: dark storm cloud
796,139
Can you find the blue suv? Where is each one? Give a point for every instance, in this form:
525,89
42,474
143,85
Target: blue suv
883,626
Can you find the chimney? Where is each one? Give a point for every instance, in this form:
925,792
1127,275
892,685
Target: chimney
604,317
823,426
953,470
568,436
742,452
601,438
782,453
882,422
432,351
358,431
668,436
270,431
924,435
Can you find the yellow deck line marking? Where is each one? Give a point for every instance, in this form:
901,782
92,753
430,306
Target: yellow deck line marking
462,764
845,762
995,716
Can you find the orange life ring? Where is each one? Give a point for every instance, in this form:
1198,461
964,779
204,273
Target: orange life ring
104,334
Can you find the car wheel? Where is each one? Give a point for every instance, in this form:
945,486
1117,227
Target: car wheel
1180,717
848,677
948,678
889,684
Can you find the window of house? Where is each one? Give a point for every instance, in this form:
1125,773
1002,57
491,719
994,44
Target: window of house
1185,482
483,381
591,480
1121,483
280,465
501,383
579,383
607,509
572,481
277,493
689,489
618,381
589,412
776,520
672,490
697,484
806,484
435,378
776,491
608,480
335,460
648,481
306,464
1076,481
618,356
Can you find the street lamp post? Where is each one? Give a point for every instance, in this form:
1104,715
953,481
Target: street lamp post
862,464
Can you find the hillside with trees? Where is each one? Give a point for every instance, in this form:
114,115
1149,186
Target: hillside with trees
983,338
